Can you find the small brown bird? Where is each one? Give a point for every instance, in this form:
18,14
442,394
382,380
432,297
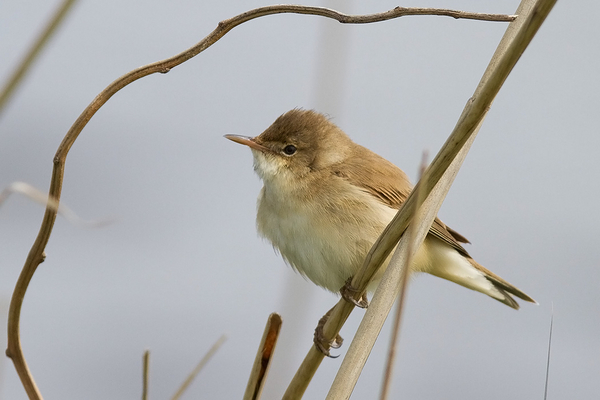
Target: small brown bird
327,199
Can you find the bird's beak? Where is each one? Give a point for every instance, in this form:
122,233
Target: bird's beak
248,141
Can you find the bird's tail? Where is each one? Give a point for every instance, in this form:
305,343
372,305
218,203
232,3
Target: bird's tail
445,262
502,286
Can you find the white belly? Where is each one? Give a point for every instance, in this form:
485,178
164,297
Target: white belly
326,246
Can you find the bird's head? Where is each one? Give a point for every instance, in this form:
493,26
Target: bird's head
296,144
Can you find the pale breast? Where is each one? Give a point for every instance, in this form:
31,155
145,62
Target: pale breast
326,236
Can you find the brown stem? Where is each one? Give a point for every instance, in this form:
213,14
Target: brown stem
145,374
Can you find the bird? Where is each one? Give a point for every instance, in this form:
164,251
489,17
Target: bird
326,200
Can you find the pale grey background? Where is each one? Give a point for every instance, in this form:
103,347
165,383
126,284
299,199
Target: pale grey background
182,264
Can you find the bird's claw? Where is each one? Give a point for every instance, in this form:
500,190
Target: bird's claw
322,343
348,292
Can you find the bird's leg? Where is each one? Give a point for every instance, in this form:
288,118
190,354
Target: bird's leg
321,342
348,292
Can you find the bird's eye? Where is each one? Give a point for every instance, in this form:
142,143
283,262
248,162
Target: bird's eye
289,150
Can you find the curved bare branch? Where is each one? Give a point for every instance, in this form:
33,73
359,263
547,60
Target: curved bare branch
36,254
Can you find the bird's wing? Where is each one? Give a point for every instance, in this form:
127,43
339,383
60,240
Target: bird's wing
386,182
390,185
447,235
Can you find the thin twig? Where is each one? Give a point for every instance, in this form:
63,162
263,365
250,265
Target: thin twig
522,30
190,378
262,361
411,232
34,51
36,254
145,374
42,198
549,348
378,17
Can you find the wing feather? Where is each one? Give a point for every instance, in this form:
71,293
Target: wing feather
390,185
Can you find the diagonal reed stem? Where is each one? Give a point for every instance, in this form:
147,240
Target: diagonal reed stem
516,39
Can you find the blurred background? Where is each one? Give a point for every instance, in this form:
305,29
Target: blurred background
182,263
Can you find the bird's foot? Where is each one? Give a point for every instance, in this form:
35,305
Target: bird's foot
322,343
348,292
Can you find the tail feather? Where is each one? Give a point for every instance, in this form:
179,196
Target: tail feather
446,262
508,300
501,284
